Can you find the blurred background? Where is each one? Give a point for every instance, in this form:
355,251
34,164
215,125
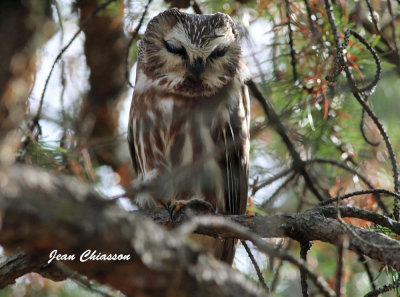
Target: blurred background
66,80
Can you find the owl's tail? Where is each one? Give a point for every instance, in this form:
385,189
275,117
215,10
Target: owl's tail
221,249
228,250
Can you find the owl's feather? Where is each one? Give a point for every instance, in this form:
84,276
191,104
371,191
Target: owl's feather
187,129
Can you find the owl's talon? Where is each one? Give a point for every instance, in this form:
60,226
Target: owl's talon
169,209
200,205
174,206
172,210
197,205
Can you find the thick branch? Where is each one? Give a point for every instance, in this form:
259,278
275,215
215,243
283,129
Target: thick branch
42,212
315,224
21,263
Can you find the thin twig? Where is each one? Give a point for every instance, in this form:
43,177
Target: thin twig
393,25
62,77
256,267
291,42
359,97
253,56
275,56
362,129
357,193
196,7
356,235
310,21
340,64
272,197
384,289
353,212
304,248
275,279
133,37
84,23
370,88
340,253
375,22
389,147
272,179
364,262
355,172
340,267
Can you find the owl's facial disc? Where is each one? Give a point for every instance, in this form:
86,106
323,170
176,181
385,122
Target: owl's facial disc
198,57
192,54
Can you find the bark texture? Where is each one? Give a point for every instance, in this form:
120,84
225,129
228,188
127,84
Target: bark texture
42,212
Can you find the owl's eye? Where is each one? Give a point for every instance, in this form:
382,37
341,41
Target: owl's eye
218,52
174,50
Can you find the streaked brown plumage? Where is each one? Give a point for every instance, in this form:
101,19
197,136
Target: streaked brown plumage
189,118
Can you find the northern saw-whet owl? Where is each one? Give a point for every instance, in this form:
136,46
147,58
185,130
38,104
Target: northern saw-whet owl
189,118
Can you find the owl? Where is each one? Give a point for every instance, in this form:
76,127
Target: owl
189,119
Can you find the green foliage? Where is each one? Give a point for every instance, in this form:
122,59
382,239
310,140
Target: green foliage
44,154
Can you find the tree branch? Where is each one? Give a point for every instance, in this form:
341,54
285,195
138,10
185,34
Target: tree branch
314,225
21,263
42,212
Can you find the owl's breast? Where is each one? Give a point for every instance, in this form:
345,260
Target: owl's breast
180,138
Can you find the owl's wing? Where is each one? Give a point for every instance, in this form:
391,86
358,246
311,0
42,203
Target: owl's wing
132,123
234,164
131,141
236,156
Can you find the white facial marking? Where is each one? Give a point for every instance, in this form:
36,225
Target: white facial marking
178,37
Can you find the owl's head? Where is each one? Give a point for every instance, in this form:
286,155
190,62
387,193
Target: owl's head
190,55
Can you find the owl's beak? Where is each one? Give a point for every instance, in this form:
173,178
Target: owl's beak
197,67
